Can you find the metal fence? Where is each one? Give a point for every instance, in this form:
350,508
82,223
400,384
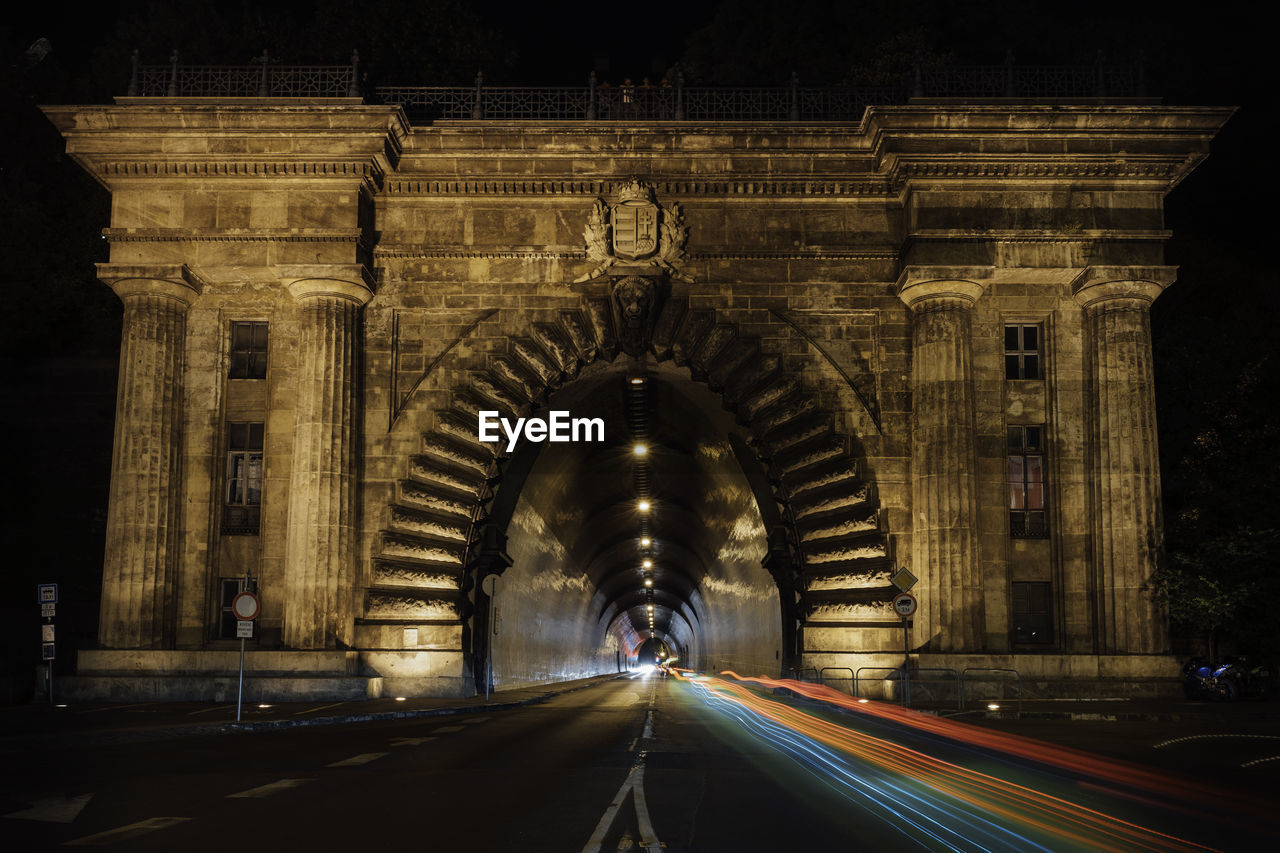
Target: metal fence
598,101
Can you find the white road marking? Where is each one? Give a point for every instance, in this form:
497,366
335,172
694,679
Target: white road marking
470,720
444,730
410,741
633,785
54,809
120,833
317,708
362,758
112,708
1246,764
648,726
1212,737
268,790
207,710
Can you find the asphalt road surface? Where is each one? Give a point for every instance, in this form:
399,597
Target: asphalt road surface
632,764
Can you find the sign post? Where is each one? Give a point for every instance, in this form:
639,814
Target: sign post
245,606
493,631
904,604
47,595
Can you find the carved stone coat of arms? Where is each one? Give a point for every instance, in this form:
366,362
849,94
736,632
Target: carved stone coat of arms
634,235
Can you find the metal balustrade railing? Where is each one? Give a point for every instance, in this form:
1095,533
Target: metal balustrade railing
598,101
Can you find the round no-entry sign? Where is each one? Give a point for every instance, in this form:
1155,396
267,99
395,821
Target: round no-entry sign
245,606
904,604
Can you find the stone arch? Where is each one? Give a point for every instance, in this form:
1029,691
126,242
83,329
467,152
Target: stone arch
829,548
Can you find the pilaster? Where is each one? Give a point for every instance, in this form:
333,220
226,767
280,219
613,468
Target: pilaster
1125,521
143,518
320,551
943,456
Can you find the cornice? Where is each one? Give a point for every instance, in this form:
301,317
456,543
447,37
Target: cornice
1066,167
199,235
872,186
362,169
398,252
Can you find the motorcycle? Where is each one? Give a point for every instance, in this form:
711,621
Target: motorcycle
1225,682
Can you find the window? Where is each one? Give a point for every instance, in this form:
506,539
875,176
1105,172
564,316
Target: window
230,588
242,498
1022,356
1033,612
1027,482
248,351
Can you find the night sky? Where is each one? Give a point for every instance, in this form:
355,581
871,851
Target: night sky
58,342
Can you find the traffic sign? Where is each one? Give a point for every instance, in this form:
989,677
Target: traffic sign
46,633
903,580
46,652
47,611
47,593
244,629
904,604
245,607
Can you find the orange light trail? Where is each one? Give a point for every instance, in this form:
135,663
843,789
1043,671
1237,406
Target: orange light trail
1018,808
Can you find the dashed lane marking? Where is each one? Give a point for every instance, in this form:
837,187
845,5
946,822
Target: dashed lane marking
362,758
1213,737
444,730
120,833
268,790
1260,761
54,809
470,720
207,710
317,708
111,708
410,741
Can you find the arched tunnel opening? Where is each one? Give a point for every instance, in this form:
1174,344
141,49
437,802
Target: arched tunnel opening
651,540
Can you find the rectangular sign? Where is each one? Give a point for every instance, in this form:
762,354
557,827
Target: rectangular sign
46,651
47,611
46,633
244,629
47,593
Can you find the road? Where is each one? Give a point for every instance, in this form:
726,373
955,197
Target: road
635,763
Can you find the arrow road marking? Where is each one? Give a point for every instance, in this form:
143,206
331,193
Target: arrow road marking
633,785
54,809
362,758
268,790
120,833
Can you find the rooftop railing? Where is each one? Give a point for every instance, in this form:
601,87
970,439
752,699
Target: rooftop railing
670,101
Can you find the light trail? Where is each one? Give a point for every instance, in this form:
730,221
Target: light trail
936,803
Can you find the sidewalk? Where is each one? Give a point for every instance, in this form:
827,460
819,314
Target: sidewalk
39,726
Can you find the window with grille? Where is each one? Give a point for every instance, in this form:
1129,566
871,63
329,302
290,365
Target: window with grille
1027,486
1023,354
242,497
248,351
1033,612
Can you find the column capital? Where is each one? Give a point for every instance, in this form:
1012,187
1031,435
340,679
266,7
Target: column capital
352,282
1106,283
172,281
920,286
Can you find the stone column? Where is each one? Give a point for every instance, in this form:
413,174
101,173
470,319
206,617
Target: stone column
139,568
944,478
320,549
1125,521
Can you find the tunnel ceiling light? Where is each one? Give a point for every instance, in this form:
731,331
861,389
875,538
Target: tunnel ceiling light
648,564
639,450
644,506
648,581
645,542
637,380
650,606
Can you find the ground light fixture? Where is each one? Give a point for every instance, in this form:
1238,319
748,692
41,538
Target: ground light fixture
644,506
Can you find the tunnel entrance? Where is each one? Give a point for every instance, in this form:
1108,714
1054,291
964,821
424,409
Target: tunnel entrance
652,538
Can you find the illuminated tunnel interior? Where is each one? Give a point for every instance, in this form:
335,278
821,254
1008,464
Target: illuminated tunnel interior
653,535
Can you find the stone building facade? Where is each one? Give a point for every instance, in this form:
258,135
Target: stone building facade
921,341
